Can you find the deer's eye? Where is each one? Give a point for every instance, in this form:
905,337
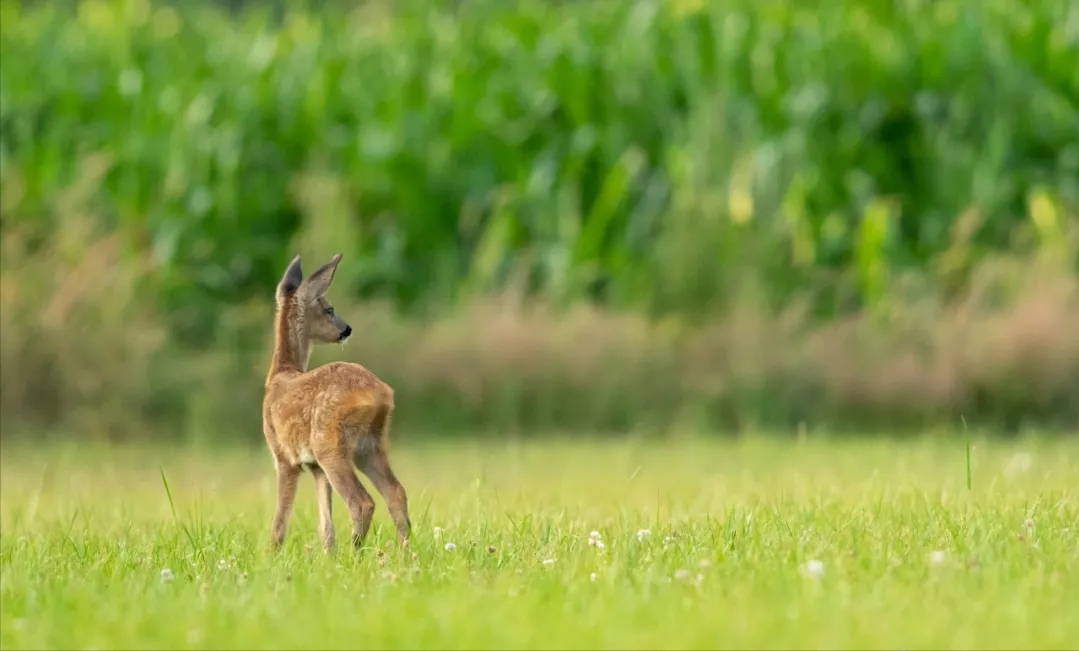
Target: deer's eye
329,310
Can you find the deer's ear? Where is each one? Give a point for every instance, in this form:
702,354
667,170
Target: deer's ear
319,282
293,278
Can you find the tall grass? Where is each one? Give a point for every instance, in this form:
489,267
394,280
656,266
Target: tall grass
730,213
697,545
82,351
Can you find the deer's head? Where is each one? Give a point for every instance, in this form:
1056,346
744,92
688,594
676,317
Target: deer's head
310,315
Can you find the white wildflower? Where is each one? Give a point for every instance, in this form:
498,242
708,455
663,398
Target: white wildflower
166,575
681,575
450,547
548,562
600,546
643,533
592,577
815,568
438,532
936,557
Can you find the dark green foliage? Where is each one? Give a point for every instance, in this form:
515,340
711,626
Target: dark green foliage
486,141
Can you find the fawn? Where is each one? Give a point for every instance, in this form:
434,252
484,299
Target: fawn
329,419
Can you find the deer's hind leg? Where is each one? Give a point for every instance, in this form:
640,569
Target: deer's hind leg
341,476
372,459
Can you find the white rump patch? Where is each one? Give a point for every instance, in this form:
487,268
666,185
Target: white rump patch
306,456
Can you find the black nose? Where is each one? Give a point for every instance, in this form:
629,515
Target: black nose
347,332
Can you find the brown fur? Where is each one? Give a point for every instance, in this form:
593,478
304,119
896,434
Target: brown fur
329,419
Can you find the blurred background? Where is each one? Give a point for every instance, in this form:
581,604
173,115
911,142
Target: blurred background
602,216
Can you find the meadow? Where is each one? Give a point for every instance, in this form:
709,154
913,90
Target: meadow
599,216
765,268
758,542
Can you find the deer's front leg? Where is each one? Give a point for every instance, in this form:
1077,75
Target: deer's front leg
287,479
325,508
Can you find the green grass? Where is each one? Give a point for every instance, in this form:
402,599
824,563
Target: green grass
86,535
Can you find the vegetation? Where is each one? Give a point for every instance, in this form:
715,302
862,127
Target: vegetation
704,545
856,213
658,218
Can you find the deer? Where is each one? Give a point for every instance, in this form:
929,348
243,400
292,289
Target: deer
330,420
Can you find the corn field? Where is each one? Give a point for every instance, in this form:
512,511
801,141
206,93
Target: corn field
669,160
643,154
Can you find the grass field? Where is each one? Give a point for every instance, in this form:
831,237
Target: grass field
752,544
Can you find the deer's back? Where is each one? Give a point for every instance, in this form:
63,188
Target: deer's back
309,410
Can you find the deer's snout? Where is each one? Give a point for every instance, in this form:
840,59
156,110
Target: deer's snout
346,333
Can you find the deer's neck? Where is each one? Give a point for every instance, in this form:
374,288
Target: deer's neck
292,351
